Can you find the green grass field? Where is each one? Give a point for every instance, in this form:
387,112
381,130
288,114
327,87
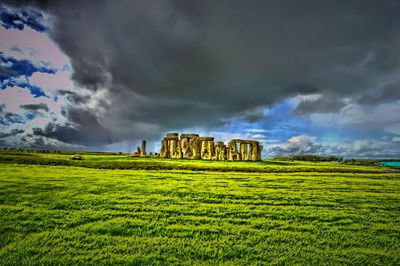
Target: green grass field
112,209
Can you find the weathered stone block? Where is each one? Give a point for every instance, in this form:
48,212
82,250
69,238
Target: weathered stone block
172,135
143,149
207,148
192,146
164,149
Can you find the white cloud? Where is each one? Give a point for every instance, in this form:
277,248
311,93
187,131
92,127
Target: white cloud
14,97
51,83
258,136
257,130
393,128
304,144
300,144
385,116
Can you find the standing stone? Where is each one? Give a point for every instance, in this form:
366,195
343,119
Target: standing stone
164,149
251,157
190,144
260,147
233,154
171,147
178,153
254,154
184,146
207,148
143,149
243,151
174,147
257,152
194,147
220,151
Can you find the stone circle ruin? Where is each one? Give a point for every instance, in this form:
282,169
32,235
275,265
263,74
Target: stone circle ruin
141,151
192,146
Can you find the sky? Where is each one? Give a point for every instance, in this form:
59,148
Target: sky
301,77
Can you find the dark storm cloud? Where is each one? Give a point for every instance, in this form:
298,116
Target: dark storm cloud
13,132
85,130
253,116
176,64
74,97
35,107
324,104
386,93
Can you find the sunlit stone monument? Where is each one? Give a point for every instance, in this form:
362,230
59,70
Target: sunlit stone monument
192,146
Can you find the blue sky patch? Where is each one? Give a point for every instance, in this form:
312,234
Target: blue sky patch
11,67
19,18
11,118
30,116
35,91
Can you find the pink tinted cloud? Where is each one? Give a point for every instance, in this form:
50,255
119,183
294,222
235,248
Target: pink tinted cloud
34,45
14,97
51,83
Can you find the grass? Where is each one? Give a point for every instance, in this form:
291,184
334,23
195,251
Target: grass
107,161
111,209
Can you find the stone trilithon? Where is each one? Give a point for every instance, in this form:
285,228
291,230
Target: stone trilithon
192,146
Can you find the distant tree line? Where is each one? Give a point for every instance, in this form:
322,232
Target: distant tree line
361,161
310,158
40,150
331,158
31,150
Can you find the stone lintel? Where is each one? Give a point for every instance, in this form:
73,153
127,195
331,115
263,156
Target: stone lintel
172,135
171,138
245,141
206,138
189,136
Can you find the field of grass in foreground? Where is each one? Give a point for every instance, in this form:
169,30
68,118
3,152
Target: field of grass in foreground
255,213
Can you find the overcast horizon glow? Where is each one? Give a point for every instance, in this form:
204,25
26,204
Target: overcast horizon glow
302,77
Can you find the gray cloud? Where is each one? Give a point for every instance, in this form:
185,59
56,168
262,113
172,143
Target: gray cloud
177,64
362,148
387,93
324,104
74,97
7,118
13,132
301,144
253,116
83,130
35,107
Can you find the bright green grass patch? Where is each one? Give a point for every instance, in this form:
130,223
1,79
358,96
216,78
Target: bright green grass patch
112,161
80,215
